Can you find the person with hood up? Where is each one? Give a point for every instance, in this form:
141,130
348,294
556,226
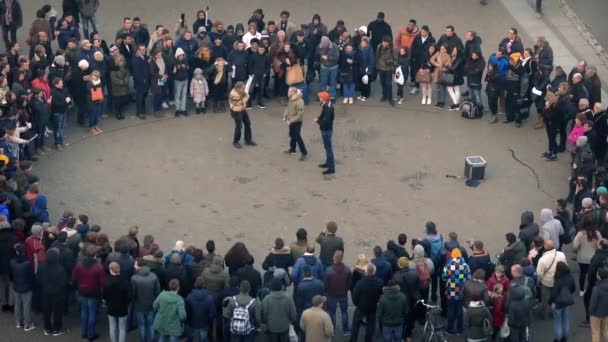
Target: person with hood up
22,277
477,314
278,312
53,280
214,276
202,38
336,281
328,56
89,279
145,287
35,250
365,296
514,251
170,313
116,294
528,230
455,273
199,89
392,312
551,228
598,310
546,273
308,259
200,311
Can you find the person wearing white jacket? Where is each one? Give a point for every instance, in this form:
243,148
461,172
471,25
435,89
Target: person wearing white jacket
252,32
545,272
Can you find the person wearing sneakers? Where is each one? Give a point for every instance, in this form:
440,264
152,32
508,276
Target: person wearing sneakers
22,277
366,61
238,105
325,120
95,101
294,115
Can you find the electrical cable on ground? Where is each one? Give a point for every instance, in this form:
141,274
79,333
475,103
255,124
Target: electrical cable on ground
538,185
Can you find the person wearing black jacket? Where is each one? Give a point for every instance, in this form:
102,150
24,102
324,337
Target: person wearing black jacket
326,125
473,69
60,101
365,297
593,85
22,277
597,262
451,39
378,29
238,58
8,239
141,80
513,91
53,280
409,283
258,65
420,52
253,276
562,297
117,297
512,43
41,113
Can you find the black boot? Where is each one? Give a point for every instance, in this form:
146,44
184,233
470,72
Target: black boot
198,110
203,109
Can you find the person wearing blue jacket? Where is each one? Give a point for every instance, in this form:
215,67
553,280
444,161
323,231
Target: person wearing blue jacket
384,270
188,44
365,65
66,31
435,240
307,288
4,203
200,311
308,259
498,64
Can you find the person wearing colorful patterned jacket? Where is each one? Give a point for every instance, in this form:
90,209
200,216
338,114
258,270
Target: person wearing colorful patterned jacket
455,273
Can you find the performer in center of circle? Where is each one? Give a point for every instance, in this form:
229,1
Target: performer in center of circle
326,124
294,115
238,105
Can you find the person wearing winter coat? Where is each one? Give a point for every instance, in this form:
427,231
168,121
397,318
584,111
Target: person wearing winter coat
95,101
170,313
41,113
145,287
310,260
116,294
551,228
22,277
514,251
159,74
8,240
199,91
560,299
214,276
419,53
585,244
200,311
451,39
238,110
279,257
88,10
119,77
543,53
512,43
477,314
403,62
336,282
593,85
249,273
598,308
66,31
347,60
442,61
546,273
366,67
328,56
201,21
528,230
519,313
180,73
218,75
34,248
258,65
141,80
385,64
409,283
392,312
89,278
53,280
329,243
365,296
377,29
294,117
473,69
11,19
455,273
188,44
60,102
476,288
278,312
238,59
316,323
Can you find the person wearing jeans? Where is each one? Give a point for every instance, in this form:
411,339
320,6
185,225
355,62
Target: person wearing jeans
89,278
88,9
326,123
385,64
145,323
328,55
180,81
117,298
41,112
294,115
336,281
170,313
455,273
392,311
561,298
200,309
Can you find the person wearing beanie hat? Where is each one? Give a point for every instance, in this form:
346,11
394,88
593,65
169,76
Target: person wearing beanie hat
601,191
278,312
409,282
455,273
325,120
229,38
316,323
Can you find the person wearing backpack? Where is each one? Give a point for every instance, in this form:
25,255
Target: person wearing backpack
424,268
519,314
243,313
523,281
561,298
478,321
436,241
278,313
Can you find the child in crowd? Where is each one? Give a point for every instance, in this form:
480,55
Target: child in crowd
498,308
577,130
199,89
403,61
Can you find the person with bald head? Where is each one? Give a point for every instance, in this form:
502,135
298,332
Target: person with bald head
520,279
546,273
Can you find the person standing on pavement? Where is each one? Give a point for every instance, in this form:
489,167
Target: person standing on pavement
53,279
11,18
89,279
409,283
365,296
385,64
597,262
293,116
141,79
180,82
392,312
200,310
238,105
512,43
329,243
455,273
117,298
316,323
378,29
145,287
170,313
306,289
325,120
546,273
22,278
88,9
336,281
243,301
278,312
598,310
328,55
560,299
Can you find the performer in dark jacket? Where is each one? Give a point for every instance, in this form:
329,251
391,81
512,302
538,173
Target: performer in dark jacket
326,124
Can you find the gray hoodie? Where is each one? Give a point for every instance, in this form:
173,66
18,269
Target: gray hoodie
145,287
552,228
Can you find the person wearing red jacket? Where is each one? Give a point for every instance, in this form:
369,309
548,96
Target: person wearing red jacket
34,248
89,278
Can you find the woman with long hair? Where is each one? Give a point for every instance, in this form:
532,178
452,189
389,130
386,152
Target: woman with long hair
442,61
236,256
158,78
561,298
359,269
585,243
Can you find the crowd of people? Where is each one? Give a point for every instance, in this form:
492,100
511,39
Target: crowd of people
185,291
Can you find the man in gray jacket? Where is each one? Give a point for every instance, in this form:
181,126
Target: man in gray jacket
278,312
328,55
145,287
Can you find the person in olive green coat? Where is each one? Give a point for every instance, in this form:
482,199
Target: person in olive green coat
278,312
392,310
170,313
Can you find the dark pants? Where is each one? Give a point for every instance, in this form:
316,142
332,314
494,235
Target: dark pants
370,326
434,287
52,311
517,335
40,129
329,151
587,299
140,101
386,81
279,337
9,35
240,338
562,128
120,102
582,275
455,316
512,107
258,89
240,119
295,135
365,89
539,6
493,104
552,130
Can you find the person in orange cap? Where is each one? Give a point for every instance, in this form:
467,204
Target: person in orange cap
455,273
326,124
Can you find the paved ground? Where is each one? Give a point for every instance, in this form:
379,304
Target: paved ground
590,11
182,179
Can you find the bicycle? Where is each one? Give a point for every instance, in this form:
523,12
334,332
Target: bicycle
434,326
